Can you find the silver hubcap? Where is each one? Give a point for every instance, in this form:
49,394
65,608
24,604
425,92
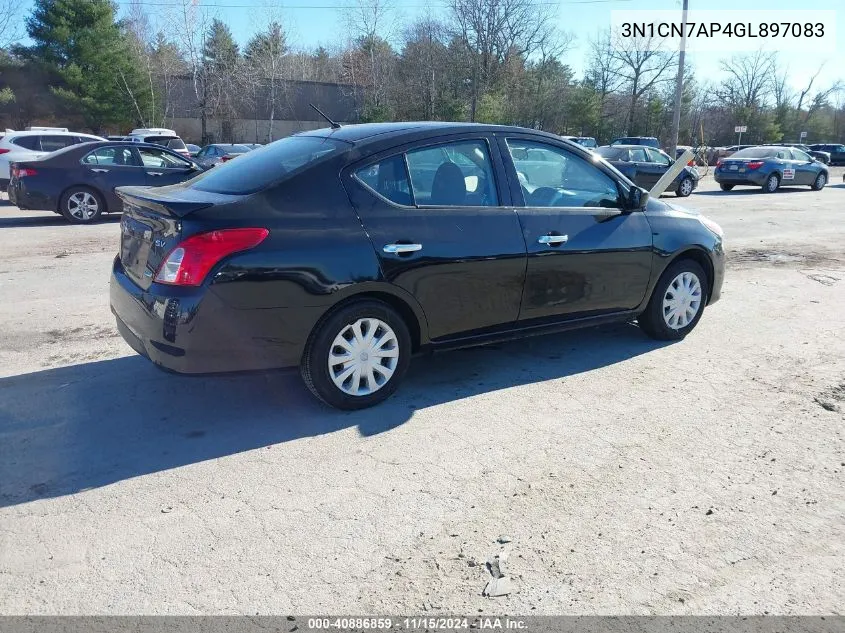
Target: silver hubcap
773,183
820,181
686,187
682,301
82,205
363,357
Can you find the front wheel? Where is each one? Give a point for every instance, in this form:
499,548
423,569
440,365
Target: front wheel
726,187
685,188
677,303
820,182
356,357
81,205
772,183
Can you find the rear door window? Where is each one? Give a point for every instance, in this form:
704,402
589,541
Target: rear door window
117,156
389,179
52,143
638,155
453,175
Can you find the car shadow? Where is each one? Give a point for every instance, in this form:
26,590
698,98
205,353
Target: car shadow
84,426
53,219
750,191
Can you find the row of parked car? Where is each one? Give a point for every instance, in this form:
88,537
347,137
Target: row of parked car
75,175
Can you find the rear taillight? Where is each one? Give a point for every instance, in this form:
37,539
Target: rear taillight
719,163
226,158
691,163
190,261
755,164
22,172
3,150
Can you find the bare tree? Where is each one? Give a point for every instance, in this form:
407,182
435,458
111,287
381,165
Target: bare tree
750,79
641,65
267,65
189,24
11,25
369,58
493,30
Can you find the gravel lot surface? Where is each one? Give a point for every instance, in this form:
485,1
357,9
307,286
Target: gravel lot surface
629,477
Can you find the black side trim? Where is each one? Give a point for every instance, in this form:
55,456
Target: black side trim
540,329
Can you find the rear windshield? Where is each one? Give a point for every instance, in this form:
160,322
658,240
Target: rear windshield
613,153
261,167
235,149
168,141
756,152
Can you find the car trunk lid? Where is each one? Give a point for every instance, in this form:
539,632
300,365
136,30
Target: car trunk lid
154,222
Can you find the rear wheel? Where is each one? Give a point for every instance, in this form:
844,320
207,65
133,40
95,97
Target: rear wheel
772,183
820,182
726,187
81,205
685,188
677,303
356,357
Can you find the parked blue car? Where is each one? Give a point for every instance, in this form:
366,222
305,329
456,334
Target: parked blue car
770,167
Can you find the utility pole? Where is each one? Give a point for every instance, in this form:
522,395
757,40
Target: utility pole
679,84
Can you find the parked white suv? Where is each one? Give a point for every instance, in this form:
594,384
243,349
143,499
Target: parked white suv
160,136
35,142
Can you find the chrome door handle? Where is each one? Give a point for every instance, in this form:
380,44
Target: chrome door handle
155,173
553,240
402,248
101,171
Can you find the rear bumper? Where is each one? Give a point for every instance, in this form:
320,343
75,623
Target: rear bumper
192,331
753,177
25,199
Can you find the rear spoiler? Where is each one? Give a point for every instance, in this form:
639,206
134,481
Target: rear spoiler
177,204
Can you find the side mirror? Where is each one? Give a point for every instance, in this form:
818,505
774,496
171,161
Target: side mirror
637,199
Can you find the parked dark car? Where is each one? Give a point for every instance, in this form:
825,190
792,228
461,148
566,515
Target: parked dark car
822,157
217,153
733,149
345,251
648,141
78,182
193,150
646,165
836,151
770,167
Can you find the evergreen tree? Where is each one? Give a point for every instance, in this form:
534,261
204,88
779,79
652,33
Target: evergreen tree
79,42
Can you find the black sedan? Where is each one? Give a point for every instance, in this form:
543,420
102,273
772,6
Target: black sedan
78,182
770,167
836,151
346,251
645,166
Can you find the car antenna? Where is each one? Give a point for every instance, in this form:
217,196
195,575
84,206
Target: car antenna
334,124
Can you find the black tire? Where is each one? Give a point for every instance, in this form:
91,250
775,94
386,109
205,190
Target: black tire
685,185
772,183
66,205
315,360
726,187
652,320
819,182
